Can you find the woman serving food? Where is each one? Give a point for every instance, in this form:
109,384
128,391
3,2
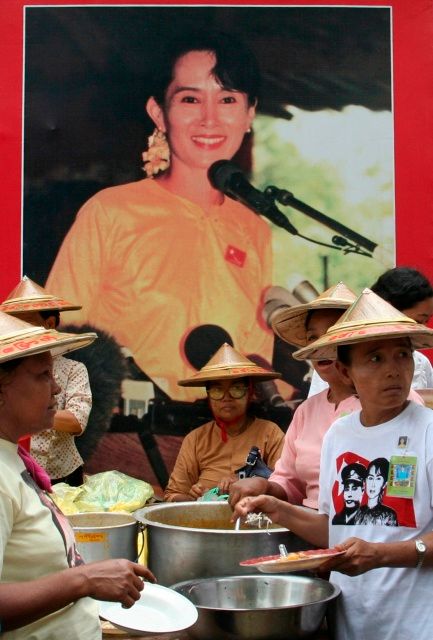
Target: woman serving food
388,541
211,454
45,589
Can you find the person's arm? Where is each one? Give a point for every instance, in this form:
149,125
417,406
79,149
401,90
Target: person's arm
65,421
183,484
361,556
272,450
115,580
305,523
75,399
254,487
285,474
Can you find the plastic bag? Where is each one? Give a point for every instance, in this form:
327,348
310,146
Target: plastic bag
212,495
106,491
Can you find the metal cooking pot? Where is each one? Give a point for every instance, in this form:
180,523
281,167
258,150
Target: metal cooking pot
258,607
104,535
188,540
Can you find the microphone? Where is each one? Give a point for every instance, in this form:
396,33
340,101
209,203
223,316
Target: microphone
228,178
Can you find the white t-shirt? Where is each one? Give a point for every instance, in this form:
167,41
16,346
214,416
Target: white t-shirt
385,603
36,540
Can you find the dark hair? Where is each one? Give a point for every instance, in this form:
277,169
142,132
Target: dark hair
381,465
343,354
403,287
308,317
48,313
236,67
311,312
10,365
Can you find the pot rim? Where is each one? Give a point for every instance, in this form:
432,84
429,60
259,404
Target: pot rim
93,527
336,591
140,515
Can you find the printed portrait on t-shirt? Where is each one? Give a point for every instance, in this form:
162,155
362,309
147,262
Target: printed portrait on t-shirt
375,512
353,481
359,494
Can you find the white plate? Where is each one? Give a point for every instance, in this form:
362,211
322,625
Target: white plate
159,610
281,565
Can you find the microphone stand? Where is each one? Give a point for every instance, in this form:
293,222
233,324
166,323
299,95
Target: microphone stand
347,241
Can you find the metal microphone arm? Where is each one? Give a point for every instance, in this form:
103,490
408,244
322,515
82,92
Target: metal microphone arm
288,199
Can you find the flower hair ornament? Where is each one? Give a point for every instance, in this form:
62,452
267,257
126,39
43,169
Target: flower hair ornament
157,156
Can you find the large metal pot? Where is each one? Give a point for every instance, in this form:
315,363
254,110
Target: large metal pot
104,535
258,607
188,540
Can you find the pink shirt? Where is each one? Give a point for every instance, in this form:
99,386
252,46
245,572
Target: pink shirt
297,471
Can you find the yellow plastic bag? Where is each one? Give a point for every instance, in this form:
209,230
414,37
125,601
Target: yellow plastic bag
106,491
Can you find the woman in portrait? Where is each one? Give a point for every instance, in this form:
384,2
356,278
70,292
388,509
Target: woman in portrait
156,261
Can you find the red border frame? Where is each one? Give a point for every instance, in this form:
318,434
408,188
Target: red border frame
413,98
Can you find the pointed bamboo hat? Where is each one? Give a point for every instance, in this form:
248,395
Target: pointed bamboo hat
368,318
289,324
19,339
29,296
225,364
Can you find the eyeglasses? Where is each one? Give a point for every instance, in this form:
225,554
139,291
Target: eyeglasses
236,391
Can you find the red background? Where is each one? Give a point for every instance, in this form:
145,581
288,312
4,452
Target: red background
413,114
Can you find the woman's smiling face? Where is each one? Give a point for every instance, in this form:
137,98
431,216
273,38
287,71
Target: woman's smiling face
203,121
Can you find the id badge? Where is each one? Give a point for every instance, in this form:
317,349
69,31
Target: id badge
402,476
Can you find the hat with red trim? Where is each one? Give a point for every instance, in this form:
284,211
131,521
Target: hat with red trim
29,296
19,339
225,364
368,318
289,323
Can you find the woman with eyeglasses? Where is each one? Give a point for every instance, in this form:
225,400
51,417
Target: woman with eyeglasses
211,454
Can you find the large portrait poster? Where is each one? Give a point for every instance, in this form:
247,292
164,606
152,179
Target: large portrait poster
343,124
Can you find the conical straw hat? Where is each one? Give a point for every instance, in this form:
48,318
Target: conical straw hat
29,296
225,364
289,324
19,339
368,318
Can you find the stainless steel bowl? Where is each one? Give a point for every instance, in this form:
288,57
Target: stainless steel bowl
258,607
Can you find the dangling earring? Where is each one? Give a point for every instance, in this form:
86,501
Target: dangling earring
157,156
